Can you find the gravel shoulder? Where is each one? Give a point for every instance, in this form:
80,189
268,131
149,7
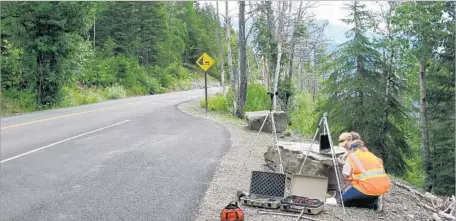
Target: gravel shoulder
246,154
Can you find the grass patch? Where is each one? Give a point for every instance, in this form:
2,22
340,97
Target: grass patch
218,103
14,102
115,92
257,100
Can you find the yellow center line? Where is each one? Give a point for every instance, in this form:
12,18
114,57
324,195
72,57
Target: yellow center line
63,116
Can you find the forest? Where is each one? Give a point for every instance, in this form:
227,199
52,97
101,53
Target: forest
393,80
60,54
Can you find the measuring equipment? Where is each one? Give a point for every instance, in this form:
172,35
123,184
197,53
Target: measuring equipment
267,189
307,194
326,147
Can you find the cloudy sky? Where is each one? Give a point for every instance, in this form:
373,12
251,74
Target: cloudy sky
326,10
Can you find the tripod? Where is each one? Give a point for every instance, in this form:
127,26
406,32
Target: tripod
270,116
324,121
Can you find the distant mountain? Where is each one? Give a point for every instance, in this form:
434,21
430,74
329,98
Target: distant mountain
335,33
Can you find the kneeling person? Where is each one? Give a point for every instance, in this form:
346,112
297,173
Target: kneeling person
365,178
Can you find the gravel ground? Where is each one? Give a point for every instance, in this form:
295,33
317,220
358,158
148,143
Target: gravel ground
246,154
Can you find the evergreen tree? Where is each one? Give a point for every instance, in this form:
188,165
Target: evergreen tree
47,32
356,92
420,25
441,106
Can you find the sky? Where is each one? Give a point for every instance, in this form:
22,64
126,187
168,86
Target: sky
332,11
326,10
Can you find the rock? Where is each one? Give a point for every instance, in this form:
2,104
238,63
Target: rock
255,120
293,154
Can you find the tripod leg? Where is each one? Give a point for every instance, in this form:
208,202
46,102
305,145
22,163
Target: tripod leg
300,215
275,141
262,125
274,131
310,148
336,165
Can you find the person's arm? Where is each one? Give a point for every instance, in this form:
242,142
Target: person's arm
347,171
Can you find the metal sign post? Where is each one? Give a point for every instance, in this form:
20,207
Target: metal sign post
205,87
205,62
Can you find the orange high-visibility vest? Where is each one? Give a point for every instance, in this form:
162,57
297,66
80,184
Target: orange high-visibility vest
368,175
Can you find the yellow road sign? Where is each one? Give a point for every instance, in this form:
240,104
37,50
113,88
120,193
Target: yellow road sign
205,62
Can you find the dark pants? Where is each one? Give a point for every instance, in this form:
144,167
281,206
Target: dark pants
354,198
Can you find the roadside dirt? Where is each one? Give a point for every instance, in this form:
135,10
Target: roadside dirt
246,154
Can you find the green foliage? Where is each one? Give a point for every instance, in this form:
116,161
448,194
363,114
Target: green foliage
82,97
47,41
257,98
431,37
115,92
415,175
264,35
303,114
72,53
357,96
12,76
218,103
287,91
74,96
109,49
15,101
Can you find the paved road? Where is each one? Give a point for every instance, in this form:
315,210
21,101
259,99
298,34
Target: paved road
131,159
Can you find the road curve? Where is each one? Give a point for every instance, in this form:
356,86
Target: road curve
131,159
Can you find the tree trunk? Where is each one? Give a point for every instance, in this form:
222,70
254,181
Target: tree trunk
314,74
423,126
268,75
259,67
389,71
359,72
94,22
264,72
230,58
242,61
278,34
299,75
269,58
248,71
386,105
222,61
276,74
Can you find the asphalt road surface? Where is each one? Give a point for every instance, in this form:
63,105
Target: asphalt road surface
131,159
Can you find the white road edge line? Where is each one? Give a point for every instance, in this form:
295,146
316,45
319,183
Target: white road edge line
53,144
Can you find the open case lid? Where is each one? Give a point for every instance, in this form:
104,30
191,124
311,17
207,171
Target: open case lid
313,187
264,183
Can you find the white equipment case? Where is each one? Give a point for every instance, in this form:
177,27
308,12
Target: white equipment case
307,193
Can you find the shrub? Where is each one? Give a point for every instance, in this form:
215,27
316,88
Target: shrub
15,101
72,96
257,98
415,174
115,92
303,114
218,103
